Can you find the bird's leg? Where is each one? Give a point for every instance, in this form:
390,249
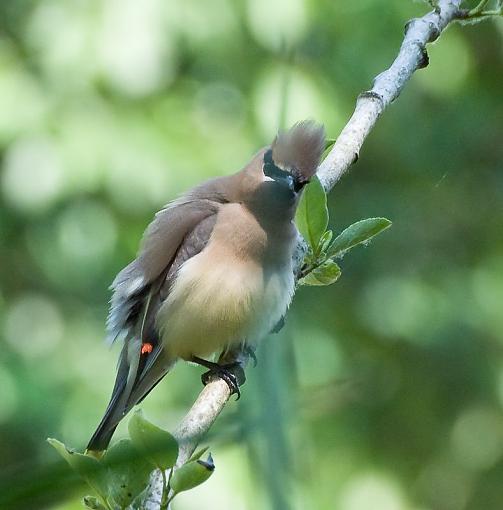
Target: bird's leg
239,353
223,371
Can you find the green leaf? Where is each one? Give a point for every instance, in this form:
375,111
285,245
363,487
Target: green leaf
192,474
87,467
93,503
157,444
329,142
326,274
358,233
199,453
127,472
312,213
325,241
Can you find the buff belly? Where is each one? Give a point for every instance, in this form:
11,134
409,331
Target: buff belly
217,302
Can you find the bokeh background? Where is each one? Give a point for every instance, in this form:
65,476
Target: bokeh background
384,391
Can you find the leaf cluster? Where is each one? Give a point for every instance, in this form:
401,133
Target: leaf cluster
120,476
319,267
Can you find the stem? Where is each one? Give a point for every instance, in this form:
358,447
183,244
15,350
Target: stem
165,491
169,500
486,14
478,9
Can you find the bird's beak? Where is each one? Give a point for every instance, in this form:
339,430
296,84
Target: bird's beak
286,180
298,185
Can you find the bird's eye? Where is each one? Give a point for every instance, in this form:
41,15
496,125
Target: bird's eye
271,170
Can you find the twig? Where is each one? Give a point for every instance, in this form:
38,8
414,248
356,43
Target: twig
164,497
369,107
478,8
485,14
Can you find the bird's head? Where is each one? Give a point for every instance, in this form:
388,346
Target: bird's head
294,155
272,182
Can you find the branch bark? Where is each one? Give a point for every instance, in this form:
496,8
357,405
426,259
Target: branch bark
370,105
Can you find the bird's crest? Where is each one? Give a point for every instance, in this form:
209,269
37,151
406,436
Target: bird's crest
299,149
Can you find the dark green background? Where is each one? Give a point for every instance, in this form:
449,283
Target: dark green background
384,391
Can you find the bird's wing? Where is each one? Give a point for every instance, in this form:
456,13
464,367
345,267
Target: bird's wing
193,244
161,243
178,232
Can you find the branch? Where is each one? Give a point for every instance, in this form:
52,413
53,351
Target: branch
192,428
386,88
369,107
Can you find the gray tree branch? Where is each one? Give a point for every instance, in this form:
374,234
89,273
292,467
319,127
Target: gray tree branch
386,88
370,105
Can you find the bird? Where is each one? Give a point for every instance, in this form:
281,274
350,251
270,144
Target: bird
214,272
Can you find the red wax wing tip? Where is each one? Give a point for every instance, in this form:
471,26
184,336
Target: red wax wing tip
146,348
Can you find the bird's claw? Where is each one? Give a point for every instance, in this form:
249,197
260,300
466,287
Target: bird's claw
225,373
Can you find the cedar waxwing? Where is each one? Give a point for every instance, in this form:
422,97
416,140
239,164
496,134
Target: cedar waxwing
214,273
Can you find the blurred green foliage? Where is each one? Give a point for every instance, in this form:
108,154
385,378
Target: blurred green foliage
384,391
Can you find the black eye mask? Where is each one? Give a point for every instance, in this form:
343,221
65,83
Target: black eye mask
271,170
274,172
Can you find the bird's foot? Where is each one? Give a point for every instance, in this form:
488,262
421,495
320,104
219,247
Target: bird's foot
224,372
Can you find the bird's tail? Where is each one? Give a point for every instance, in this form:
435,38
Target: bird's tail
116,407
101,437
133,383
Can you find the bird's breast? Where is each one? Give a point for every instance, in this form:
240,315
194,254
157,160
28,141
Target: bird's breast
219,299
